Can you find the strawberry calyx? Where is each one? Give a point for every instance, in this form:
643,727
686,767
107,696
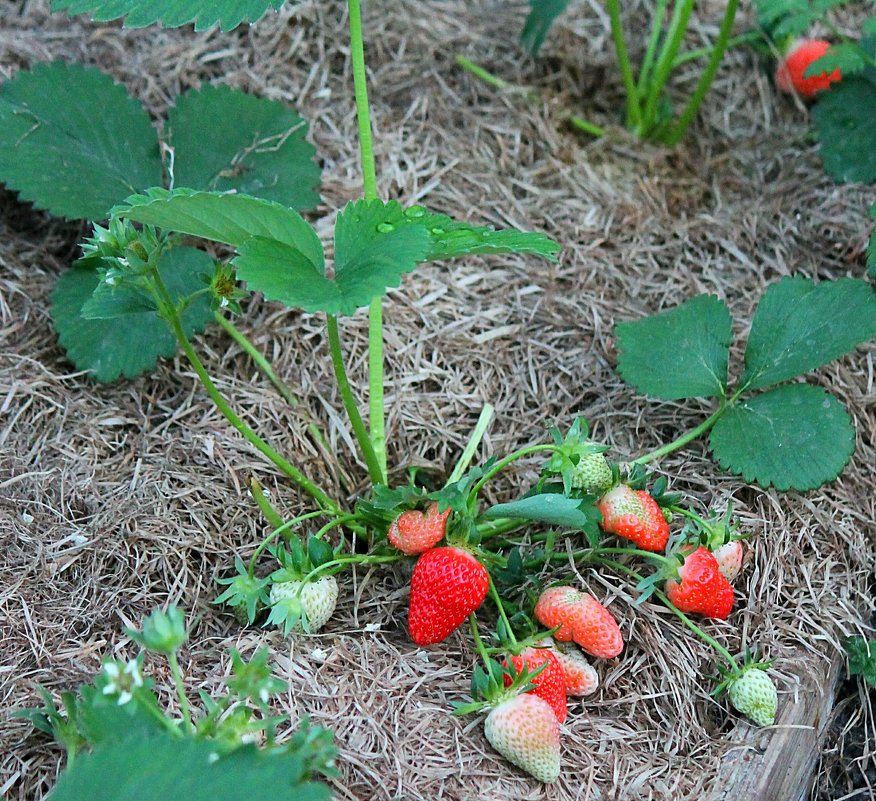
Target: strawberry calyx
579,461
488,688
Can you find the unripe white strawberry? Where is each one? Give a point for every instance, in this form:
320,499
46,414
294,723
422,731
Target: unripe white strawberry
754,695
525,730
592,474
729,558
318,599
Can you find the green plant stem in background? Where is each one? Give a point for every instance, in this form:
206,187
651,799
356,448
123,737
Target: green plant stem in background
496,82
365,444
472,445
268,511
172,317
376,417
178,683
651,50
479,643
494,594
663,67
503,463
684,439
634,112
749,37
718,49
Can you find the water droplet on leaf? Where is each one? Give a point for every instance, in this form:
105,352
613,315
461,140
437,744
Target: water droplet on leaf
385,228
415,211
438,231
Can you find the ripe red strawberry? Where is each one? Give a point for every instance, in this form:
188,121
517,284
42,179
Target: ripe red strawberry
550,684
702,588
413,532
581,618
581,677
634,515
525,730
729,559
789,72
447,585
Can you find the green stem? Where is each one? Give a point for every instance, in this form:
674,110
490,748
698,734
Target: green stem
369,189
634,111
674,38
173,319
585,125
705,82
264,505
636,552
176,672
471,446
503,463
276,533
651,50
494,594
683,440
365,444
363,559
340,521
479,643
481,74
499,526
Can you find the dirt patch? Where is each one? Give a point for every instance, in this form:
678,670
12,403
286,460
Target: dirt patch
116,499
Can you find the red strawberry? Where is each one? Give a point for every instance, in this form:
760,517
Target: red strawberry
550,684
729,559
634,515
581,676
581,618
789,72
447,585
702,588
413,532
525,730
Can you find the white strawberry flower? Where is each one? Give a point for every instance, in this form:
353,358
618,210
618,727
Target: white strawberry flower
122,680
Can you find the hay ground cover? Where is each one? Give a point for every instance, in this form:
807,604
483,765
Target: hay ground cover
116,499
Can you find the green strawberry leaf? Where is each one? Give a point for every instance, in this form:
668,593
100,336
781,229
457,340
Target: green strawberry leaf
79,157
868,27
843,121
130,345
800,325
680,353
171,13
162,766
450,238
847,57
862,658
550,508
269,157
795,436
541,16
229,218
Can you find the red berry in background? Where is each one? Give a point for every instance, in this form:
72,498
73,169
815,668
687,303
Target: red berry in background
634,515
701,588
550,684
447,585
789,71
414,532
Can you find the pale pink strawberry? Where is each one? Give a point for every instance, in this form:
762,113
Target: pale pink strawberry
525,730
729,558
581,677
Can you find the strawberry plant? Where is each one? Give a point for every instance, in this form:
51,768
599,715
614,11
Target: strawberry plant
122,743
142,290
648,108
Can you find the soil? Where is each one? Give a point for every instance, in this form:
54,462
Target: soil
117,499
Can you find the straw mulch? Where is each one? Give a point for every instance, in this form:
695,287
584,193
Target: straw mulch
114,500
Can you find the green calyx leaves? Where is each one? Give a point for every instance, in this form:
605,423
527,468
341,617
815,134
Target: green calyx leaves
62,121
793,436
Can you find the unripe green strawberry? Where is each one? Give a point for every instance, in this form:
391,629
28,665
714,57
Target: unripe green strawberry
592,474
525,730
318,599
754,695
